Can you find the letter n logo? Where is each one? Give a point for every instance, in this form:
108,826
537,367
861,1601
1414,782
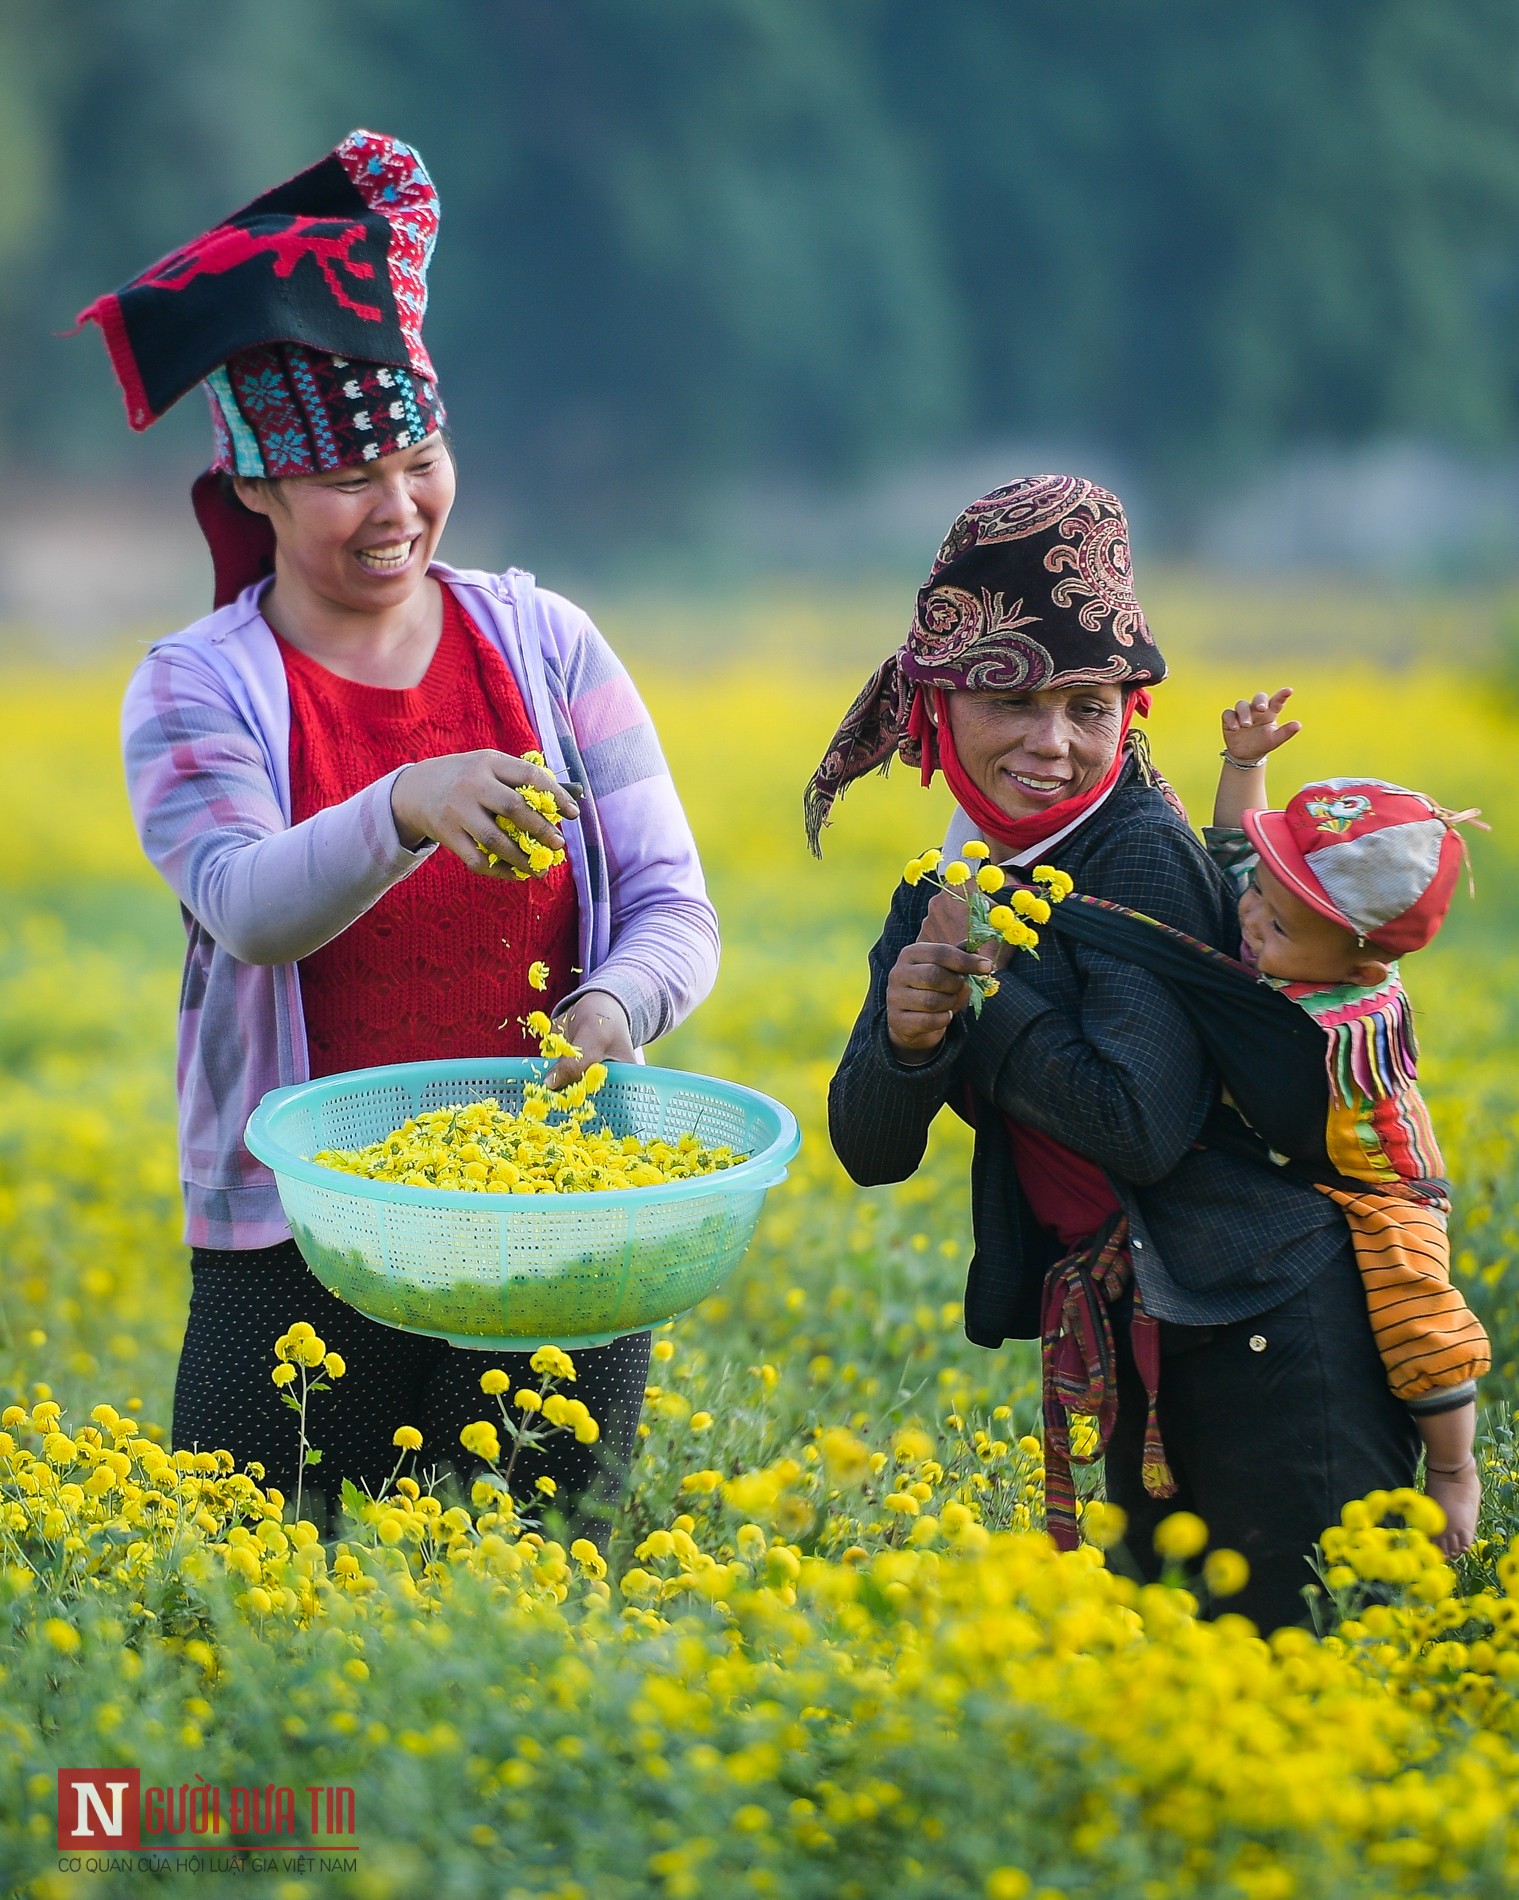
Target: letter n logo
99,1807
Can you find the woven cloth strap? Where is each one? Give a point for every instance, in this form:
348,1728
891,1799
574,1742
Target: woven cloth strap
1080,1371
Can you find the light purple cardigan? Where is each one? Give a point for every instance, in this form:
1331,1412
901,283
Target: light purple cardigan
206,733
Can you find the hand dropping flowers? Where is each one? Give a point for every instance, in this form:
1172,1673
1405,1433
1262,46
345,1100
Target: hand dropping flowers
977,882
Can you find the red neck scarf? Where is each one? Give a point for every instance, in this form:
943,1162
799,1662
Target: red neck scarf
1015,835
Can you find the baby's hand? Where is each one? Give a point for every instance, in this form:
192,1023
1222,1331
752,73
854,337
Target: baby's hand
1459,1495
1251,731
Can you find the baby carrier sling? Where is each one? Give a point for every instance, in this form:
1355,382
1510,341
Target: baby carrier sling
1269,1053
1270,1057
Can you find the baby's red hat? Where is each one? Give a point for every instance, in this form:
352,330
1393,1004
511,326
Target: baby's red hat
1376,858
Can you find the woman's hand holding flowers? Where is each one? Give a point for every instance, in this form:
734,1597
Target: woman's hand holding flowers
458,799
928,986
973,920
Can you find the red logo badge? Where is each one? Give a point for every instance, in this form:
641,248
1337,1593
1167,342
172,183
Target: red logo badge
99,1807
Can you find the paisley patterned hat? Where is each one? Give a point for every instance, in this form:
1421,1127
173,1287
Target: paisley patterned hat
1033,588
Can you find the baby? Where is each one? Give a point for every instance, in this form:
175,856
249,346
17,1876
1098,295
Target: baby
1351,875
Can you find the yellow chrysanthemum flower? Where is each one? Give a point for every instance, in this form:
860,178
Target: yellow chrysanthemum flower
1102,1524
1019,936
956,874
977,848
553,1362
538,975
1180,1536
406,1438
1225,1572
588,1557
1058,883
991,877
482,1440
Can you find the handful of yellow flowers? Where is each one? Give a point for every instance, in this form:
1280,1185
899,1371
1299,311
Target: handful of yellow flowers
977,882
539,857
556,1143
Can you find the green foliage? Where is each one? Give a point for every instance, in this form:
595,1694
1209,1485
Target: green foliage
686,238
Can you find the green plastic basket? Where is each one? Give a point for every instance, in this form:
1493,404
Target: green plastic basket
509,1272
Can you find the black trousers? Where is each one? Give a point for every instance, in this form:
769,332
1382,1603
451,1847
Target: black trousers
224,1396
1271,1424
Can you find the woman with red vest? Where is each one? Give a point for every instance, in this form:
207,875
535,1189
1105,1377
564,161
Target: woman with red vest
310,767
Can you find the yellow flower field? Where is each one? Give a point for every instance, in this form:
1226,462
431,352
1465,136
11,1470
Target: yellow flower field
829,1653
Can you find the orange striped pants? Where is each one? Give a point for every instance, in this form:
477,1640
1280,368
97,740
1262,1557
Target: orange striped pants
1426,1333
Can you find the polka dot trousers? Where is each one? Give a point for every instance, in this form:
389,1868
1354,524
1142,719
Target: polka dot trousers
224,1396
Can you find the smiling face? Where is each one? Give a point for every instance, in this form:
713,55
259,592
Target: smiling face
1029,751
1286,938
359,539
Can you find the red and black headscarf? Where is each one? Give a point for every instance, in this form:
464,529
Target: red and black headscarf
1032,589
302,315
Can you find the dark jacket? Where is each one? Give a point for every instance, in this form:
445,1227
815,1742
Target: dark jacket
1097,1053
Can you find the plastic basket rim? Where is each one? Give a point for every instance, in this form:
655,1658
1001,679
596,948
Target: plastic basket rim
761,1171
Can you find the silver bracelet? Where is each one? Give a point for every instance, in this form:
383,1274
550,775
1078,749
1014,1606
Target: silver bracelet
1241,765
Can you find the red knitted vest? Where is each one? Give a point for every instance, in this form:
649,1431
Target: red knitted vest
439,966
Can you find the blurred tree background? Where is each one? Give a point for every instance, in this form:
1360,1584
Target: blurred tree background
688,243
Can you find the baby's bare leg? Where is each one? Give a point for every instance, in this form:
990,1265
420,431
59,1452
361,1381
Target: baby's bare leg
1451,1473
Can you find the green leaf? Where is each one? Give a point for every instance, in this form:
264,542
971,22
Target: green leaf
313,1456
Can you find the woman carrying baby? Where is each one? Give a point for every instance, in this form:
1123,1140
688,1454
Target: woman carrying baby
1207,1302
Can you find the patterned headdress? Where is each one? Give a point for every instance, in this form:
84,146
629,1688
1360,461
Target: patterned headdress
1033,588
302,315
